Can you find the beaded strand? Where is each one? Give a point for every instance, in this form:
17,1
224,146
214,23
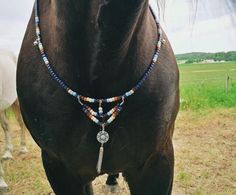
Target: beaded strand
100,118
89,99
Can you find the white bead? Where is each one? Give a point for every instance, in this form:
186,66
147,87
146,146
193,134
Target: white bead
100,110
109,100
45,60
37,19
155,58
40,46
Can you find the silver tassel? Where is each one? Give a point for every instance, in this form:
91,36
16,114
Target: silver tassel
100,159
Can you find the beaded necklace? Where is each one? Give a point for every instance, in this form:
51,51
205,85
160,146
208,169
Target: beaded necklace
99,117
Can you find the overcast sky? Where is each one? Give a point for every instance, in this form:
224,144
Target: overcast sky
213,30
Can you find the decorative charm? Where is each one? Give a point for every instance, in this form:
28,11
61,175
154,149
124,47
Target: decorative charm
101,118
103,137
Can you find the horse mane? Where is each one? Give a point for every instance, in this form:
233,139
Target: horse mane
229,5
161,4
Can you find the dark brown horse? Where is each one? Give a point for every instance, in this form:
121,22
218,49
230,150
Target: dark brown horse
100,48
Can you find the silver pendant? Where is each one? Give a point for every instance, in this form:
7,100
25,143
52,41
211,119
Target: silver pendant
100,159
103,137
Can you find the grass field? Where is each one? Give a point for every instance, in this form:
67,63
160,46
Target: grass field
208,85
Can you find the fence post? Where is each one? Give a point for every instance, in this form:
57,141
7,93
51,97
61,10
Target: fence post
227,78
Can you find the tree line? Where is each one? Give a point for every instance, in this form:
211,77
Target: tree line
196,57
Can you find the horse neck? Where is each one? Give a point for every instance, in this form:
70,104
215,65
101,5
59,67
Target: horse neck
105,45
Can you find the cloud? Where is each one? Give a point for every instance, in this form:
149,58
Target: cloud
14,16
213,29
216,34
15,10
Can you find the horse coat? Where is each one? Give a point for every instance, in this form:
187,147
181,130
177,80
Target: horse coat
7,79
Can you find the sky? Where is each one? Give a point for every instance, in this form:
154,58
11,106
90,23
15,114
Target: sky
211,29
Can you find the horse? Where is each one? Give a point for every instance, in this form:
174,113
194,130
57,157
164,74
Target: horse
8,98
98,86
7,95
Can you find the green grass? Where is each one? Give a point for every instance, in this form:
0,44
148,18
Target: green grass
204,85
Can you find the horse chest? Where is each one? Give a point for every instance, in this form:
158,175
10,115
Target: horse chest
61,127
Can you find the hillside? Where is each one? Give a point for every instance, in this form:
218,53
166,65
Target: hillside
200,56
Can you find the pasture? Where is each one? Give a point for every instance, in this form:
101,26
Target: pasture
204,140
210,85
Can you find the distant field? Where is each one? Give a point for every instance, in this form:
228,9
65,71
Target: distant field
215,71
208,85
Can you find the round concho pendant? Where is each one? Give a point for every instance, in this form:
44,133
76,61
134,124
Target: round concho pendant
102,137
